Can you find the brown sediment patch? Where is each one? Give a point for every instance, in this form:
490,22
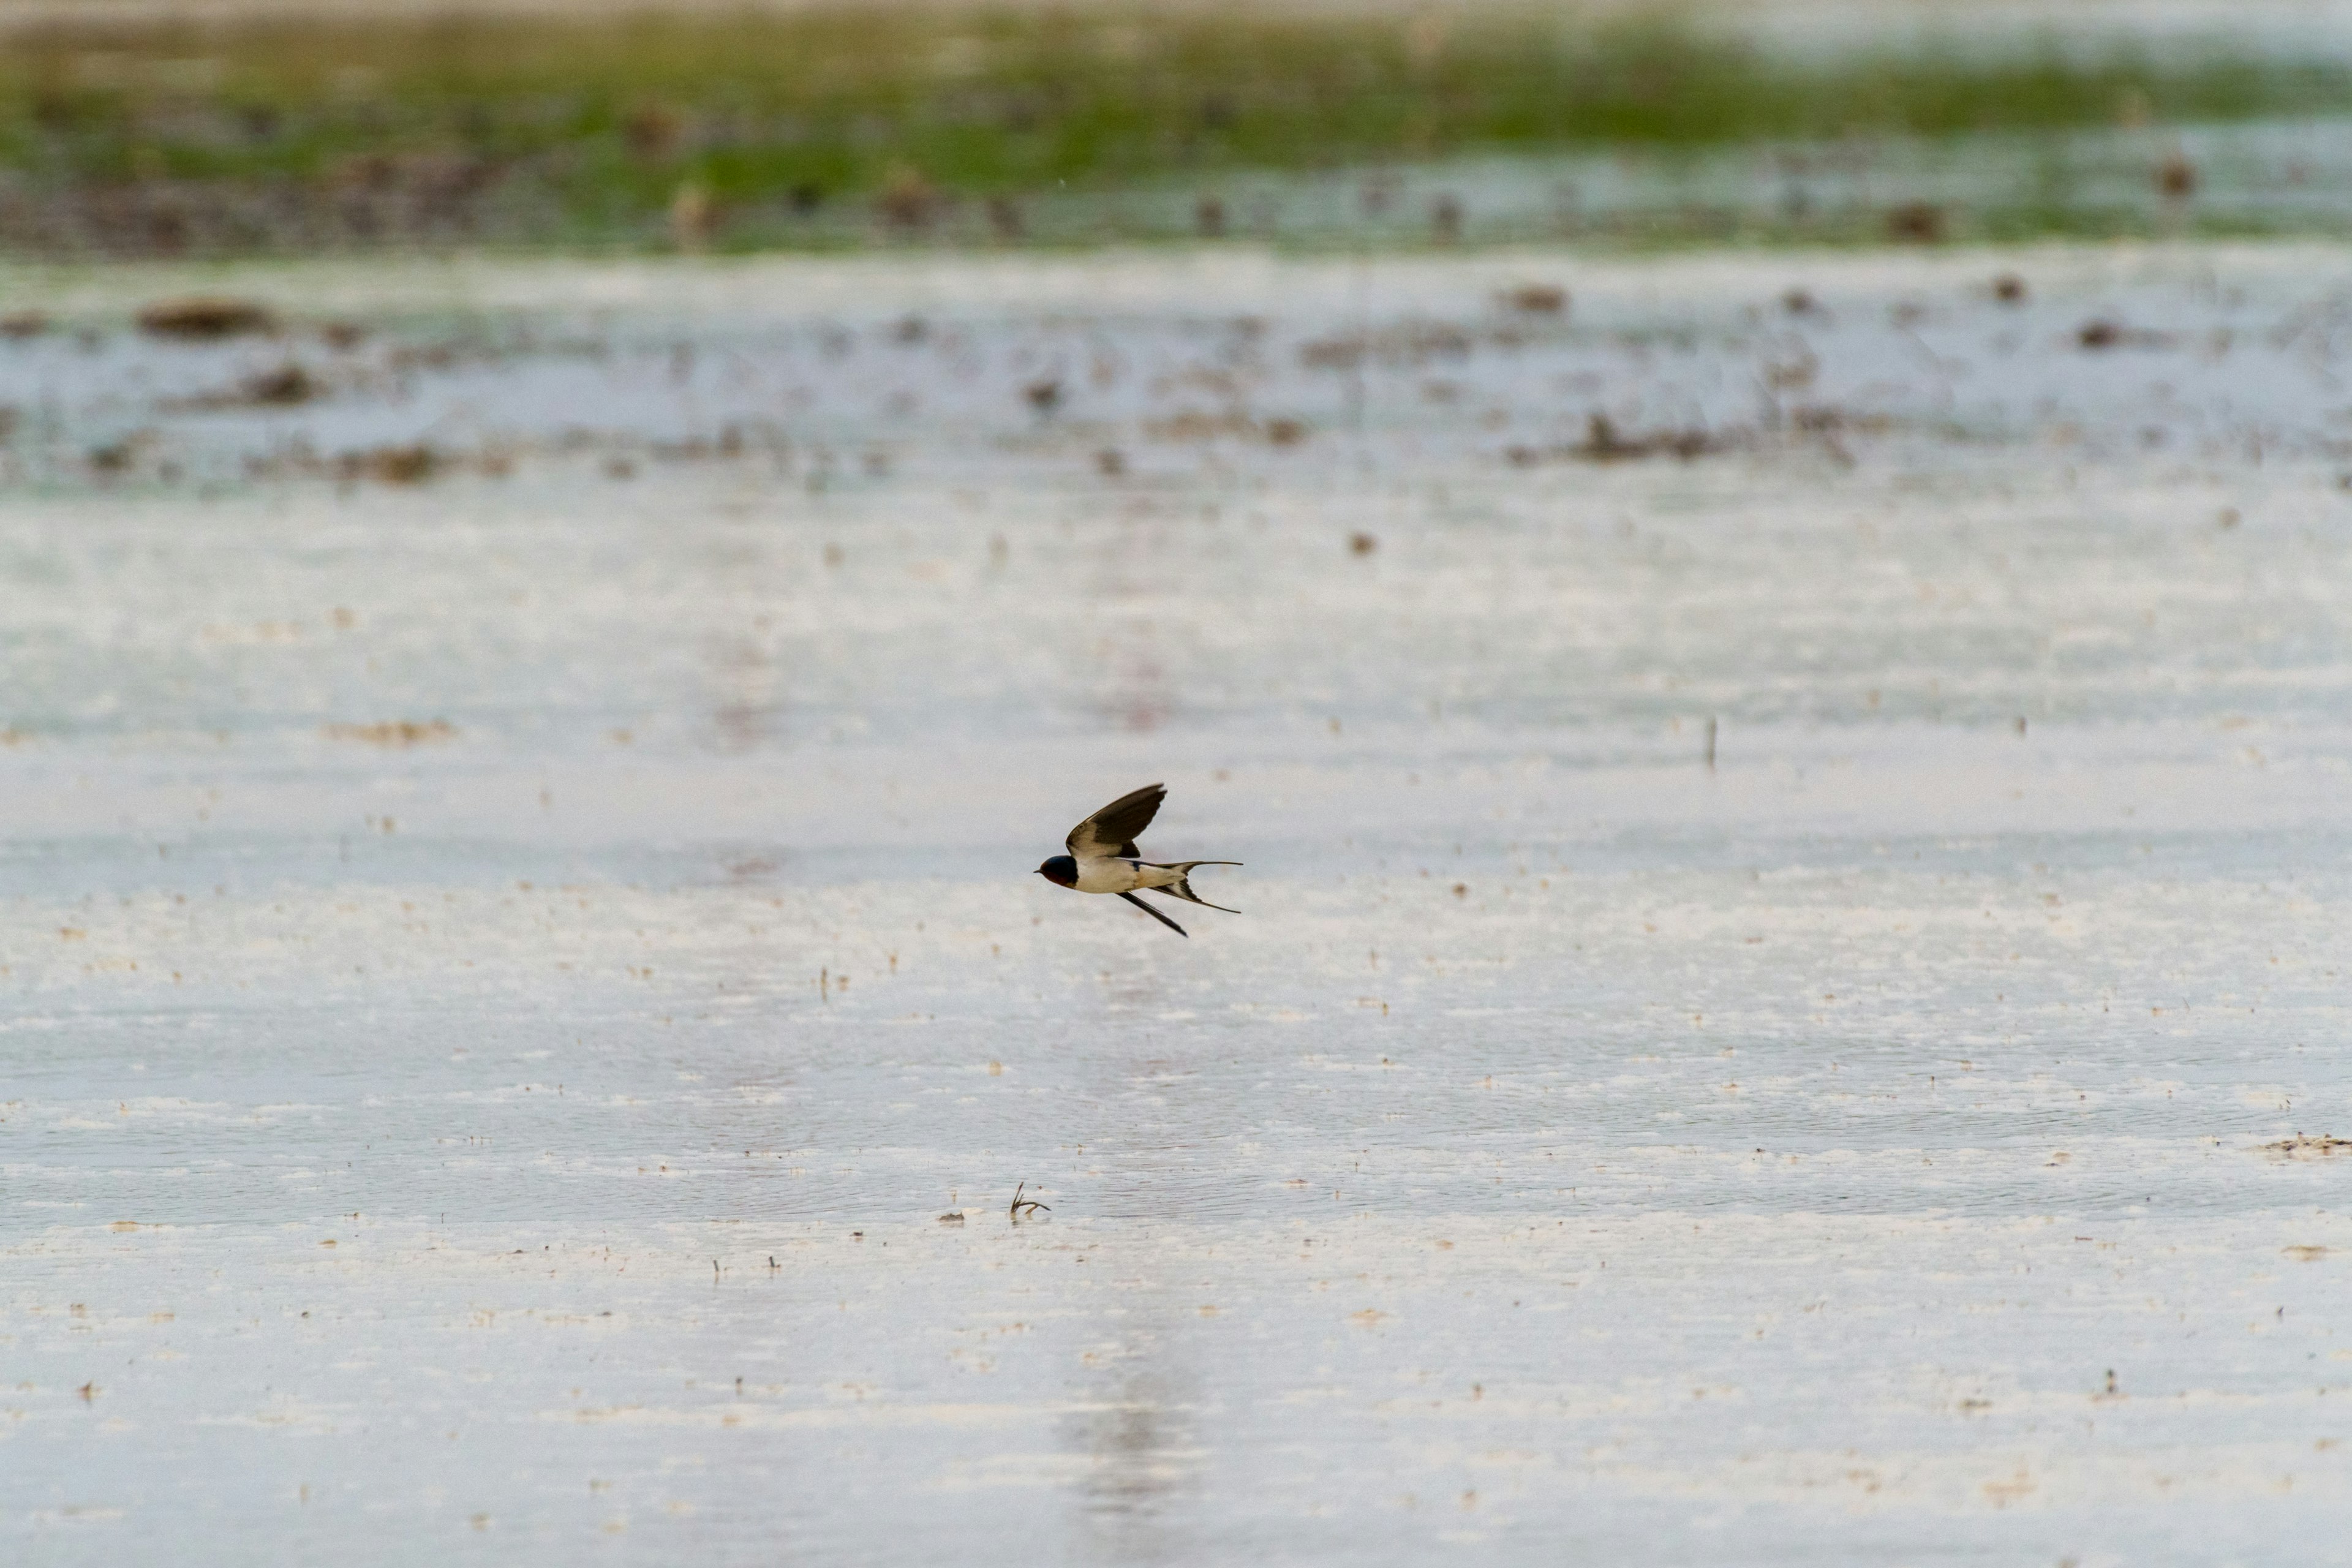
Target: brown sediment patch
1192,425
199,316
391,465
1605,443
1195,424
394,734
1537,299
287,386
1917,223
1413,343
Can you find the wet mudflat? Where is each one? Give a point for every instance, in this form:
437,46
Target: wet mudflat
526,1007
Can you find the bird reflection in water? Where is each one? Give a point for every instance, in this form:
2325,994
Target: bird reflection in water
1143,1458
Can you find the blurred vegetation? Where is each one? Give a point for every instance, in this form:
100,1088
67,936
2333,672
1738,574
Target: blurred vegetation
267,134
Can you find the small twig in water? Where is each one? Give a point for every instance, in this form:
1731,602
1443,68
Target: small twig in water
1020,1204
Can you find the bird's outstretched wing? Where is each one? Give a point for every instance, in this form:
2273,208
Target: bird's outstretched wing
1155,914
1114,829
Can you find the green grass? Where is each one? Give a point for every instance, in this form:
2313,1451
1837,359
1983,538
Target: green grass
574,130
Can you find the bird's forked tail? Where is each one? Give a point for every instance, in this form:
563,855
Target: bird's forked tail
1181,888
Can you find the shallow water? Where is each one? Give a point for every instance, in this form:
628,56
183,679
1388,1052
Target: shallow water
524,1136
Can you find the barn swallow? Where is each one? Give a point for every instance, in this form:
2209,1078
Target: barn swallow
1103,858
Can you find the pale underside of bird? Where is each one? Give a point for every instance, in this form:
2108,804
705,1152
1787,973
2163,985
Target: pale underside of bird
1103,858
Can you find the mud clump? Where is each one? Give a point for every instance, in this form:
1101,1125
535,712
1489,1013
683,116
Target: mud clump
203,318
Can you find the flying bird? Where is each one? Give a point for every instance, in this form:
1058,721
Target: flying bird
1103,858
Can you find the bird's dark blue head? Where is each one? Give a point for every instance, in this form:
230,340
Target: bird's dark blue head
1061,869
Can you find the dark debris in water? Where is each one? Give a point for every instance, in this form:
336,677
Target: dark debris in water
2303,1146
